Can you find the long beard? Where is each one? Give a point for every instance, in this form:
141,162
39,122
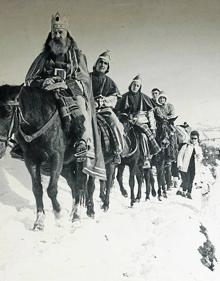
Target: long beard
58,46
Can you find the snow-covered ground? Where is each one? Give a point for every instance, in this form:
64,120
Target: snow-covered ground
155,241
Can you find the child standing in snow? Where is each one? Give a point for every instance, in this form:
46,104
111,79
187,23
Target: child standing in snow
189,161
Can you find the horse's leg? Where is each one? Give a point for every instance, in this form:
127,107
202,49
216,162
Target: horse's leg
139,177
34,170
160,177
102,190
163,179
68,172
131,184
81,192
152,182
113,177
56,165
90,203
109,170
147,178
121,168
168,175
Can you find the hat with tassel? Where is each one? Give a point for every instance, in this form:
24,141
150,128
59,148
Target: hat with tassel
138,79
105,56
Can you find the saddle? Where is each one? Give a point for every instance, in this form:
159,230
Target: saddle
106,133
108,138
67,104
130,143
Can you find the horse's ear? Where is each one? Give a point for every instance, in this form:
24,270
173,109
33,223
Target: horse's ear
19,89
173,119
157,117
123,117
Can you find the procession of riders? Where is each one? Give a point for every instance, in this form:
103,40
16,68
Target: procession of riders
61,67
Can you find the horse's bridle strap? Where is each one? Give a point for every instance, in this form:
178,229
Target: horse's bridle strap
42,130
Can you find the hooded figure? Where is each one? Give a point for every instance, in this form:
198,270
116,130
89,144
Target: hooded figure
139,109
61,65
164,113
106,95
164,109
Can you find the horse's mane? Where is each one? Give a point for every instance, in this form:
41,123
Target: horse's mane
9,92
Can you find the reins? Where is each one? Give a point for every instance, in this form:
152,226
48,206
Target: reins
41,131
17,115
14,104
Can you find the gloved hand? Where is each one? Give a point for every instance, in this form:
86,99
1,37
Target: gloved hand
47,82
57,85
153,132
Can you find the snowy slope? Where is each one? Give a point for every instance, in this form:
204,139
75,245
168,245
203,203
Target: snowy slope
152,241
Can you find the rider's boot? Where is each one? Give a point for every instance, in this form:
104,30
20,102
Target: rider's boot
17,152
80,149
116,159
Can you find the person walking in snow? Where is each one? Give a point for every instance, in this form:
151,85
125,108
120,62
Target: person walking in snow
188,161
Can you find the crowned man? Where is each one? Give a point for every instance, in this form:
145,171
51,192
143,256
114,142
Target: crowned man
61,65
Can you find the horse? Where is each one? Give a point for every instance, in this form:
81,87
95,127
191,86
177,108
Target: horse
107,150
133,158
166,138
32,114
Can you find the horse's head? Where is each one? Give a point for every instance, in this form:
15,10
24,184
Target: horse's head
125,120
8,105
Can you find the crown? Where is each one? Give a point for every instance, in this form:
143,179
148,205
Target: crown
59,22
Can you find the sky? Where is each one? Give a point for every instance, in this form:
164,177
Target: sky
174,45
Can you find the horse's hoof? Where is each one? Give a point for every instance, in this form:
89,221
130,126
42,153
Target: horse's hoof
56,206
159,198
104,207
132,203
179,192
57,215
91,214
38,226
39,223
102,197
147,198
124,193
137,200
164,195
153,193
75,218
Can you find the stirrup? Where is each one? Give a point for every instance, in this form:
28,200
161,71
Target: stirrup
80,150
116,159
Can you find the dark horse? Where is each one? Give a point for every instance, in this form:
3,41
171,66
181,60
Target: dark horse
133,158
166,138
32,114
106,141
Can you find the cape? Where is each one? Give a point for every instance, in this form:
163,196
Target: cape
93,167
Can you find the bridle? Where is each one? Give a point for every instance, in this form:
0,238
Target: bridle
18,116
15,106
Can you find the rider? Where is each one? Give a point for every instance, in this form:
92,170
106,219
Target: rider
62,66
139,109
106,94
166,113
164,109
155,92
